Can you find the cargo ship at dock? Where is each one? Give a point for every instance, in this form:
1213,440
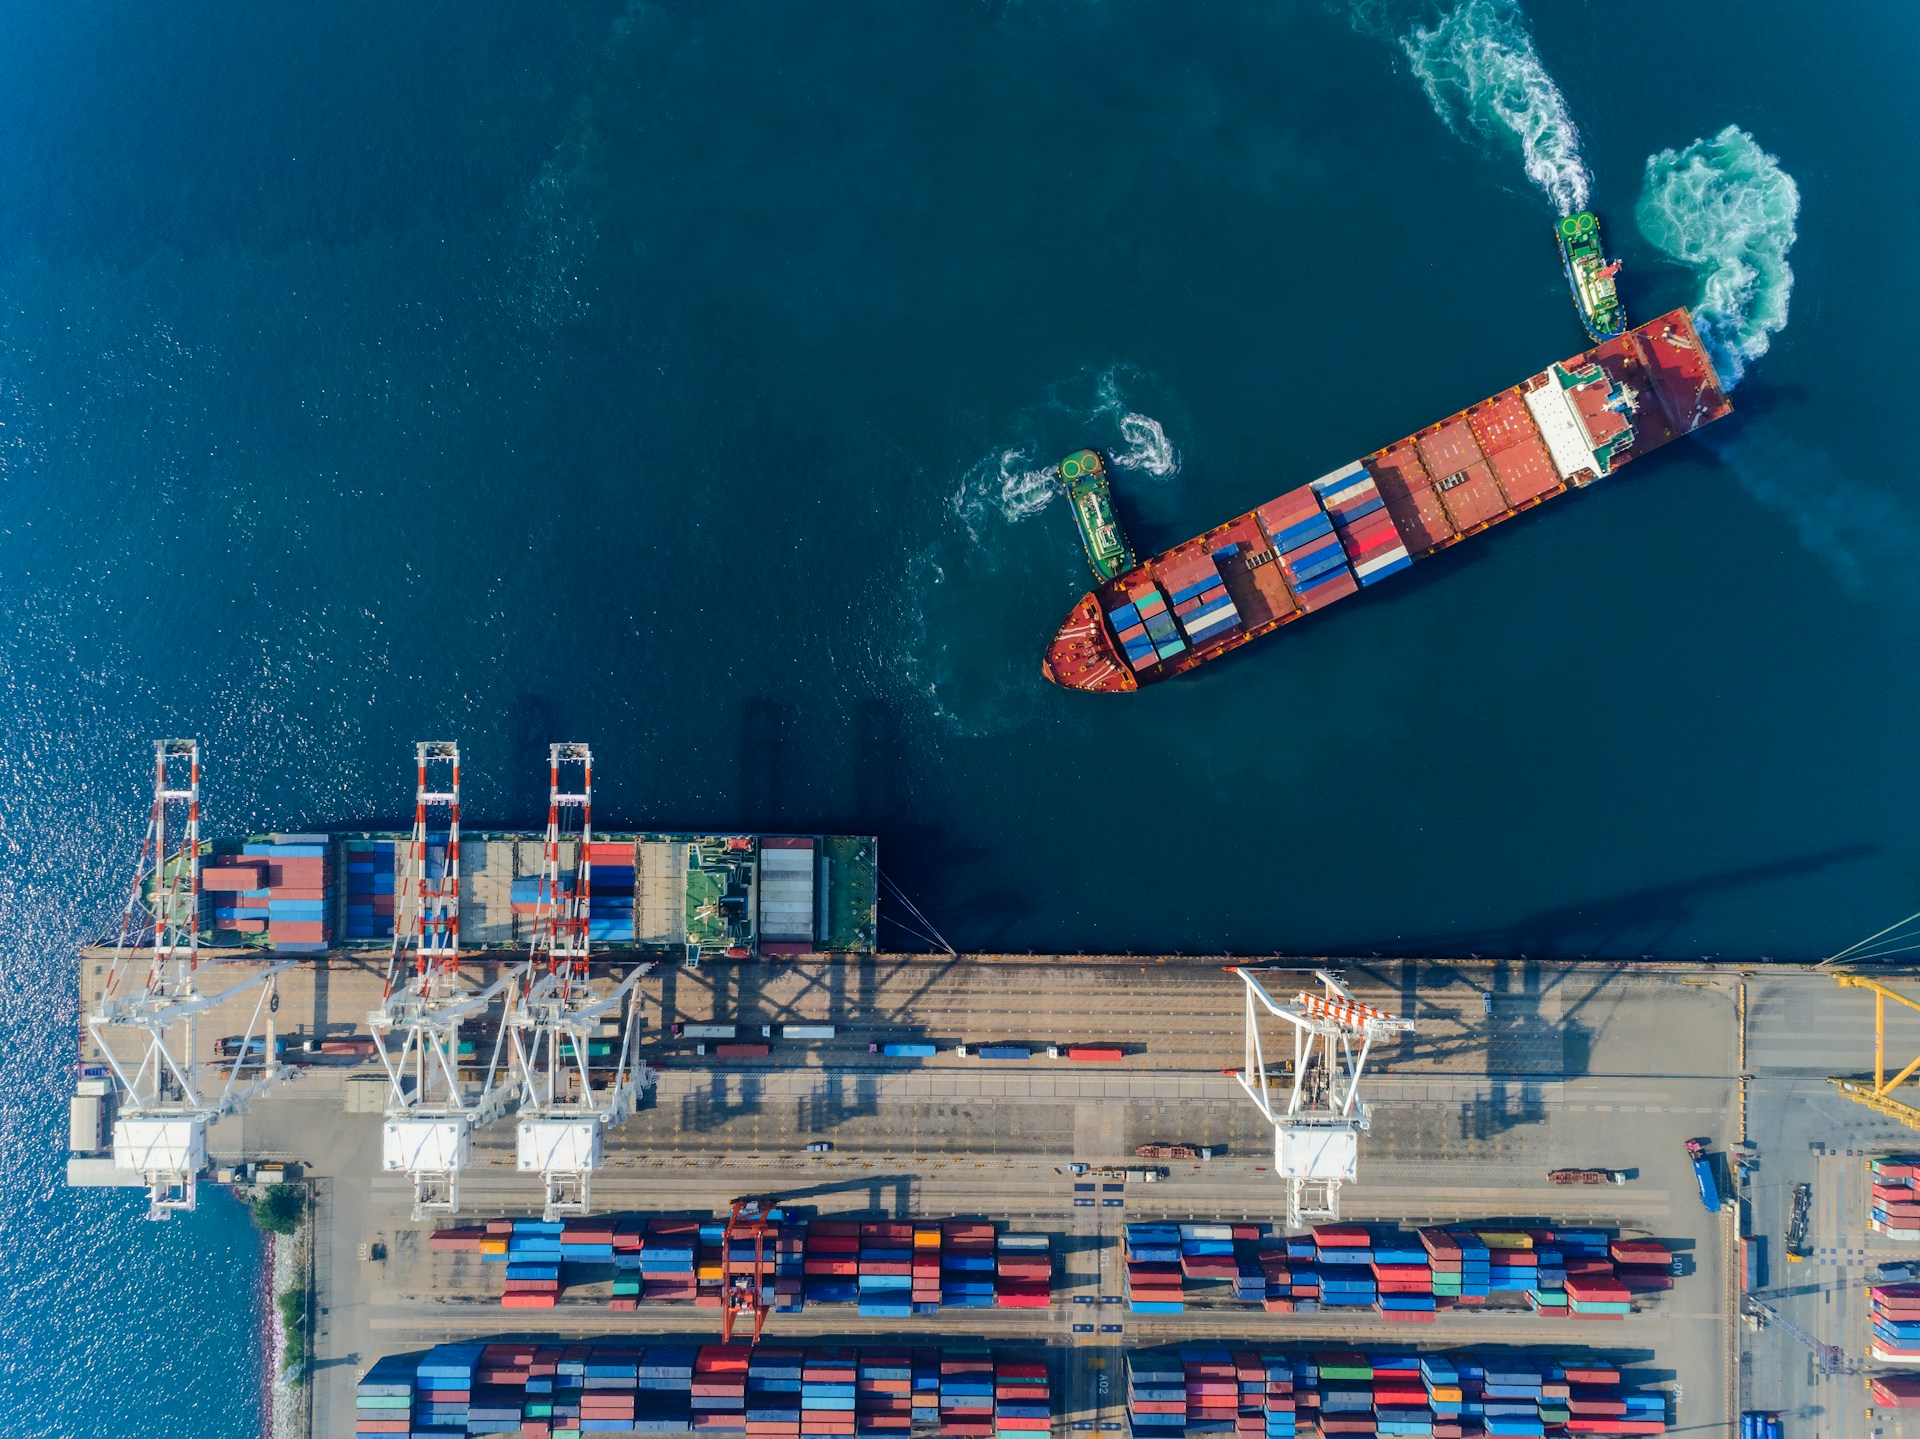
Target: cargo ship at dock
662,896
1571,424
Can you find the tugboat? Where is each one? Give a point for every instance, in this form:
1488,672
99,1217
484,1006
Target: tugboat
1083,475
1590,275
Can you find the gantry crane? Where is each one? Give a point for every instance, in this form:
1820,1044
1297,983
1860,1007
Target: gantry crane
1318,1118
744,1290
1830,1358
146,1026
1879,1094
565,1104
432,1108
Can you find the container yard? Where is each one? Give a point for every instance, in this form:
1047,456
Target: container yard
1081,1164
1572,424
887,1270
633,1386
1198,1389
1404,1277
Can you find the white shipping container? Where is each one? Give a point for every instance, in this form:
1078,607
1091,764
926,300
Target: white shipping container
807,1031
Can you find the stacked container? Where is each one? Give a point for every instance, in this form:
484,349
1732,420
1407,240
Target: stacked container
1406,1278
236,888
832,1262
1201,604
370,881
1344,1255
1360,519
1202,1390
534,1252
1896,1391
610,905
274,887
1642,1265
1145,626
1895,1209
886,1270
1896,1323
443,1388
891,1270
1023,1272
1310,553
967,1265
383,1400
1154,1278
926,1267
666,1258
966,1392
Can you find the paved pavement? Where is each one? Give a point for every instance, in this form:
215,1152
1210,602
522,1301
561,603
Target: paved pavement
1606,1066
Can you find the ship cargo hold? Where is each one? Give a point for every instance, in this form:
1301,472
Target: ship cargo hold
738,896
627,1386
1571,424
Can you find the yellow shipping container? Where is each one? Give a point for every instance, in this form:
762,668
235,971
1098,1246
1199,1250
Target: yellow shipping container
927,1238
1496,1240
707,1271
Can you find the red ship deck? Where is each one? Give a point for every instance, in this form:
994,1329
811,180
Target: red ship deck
1565,427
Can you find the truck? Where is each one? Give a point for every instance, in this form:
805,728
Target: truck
1174,1151
255,1047
1703,1176
993,1051
1147,1174
1586,1176
902,1051
1087,1053
705,1031
807,1031
735,1051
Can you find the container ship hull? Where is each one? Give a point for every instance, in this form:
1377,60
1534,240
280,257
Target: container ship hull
1571,424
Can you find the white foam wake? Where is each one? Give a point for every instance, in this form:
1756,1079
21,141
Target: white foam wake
1008,484
1725,207
1148,449
1480,70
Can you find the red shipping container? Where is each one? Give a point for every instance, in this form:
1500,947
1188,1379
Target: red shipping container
297,931
296,872
225,878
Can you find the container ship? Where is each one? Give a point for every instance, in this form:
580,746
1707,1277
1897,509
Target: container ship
1561,429
735,896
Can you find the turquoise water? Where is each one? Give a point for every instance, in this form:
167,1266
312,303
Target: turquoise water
682,378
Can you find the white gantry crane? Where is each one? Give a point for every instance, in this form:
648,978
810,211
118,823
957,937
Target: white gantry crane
433,1107
1316,1110
146,1026
566,1101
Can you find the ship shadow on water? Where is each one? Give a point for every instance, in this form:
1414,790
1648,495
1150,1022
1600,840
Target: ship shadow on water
1638,925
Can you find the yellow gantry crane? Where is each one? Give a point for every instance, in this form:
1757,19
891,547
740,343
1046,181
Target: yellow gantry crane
1879,1095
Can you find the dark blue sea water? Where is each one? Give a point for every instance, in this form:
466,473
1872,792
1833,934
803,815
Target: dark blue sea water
675,377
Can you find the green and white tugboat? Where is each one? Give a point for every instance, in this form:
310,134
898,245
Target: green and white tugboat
1590,274
1083,475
